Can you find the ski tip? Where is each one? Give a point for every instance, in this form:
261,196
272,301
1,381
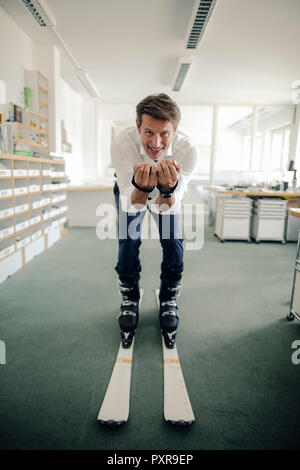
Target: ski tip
110,422
181,422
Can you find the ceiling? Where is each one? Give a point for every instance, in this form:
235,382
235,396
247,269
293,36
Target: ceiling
249,53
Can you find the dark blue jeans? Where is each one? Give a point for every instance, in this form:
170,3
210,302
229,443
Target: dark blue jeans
170,234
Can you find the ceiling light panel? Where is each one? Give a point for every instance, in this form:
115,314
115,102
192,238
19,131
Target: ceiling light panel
182,71
200,17
41,12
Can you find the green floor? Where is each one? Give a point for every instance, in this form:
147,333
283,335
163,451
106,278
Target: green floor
59,322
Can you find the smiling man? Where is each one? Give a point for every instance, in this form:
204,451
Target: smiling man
154,163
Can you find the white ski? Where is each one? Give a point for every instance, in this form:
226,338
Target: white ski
115,406
177,405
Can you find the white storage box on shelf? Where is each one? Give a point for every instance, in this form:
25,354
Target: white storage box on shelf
20,172
36,235
58,174
41,203
35,220
5,172
268,220
58,186
63,209
21,208
233,218
21,190
5,232
7,192
6,212
22,225
37,204
34,172
47,214
60,198
7,251
23,242
34,188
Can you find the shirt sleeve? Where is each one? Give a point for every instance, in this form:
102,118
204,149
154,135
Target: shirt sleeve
123,162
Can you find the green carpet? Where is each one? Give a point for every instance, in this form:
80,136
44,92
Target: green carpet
59,322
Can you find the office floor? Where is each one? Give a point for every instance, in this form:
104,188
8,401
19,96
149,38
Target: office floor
59,322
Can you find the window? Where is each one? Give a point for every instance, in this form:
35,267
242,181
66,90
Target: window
247,152
196,122
273,123
257,153
280,147
233,144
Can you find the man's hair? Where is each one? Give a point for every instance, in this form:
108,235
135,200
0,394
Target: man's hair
159,107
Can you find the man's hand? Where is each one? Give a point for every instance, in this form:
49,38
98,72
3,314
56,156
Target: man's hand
145,175
168,173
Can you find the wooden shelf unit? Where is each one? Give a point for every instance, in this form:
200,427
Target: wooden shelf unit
33,219
40,104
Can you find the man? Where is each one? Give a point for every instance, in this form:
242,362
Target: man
153,163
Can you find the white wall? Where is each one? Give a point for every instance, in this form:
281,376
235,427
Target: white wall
71,114
105,130
89,139
112,119
17,53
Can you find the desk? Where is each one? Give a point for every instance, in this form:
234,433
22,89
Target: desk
252,192
295,212
221,191
83,200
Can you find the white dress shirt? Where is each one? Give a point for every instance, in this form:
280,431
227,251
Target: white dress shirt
126,151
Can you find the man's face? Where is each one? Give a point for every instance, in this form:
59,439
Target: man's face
156,136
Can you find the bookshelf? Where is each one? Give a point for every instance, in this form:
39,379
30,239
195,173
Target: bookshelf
27,129
33,209
36,118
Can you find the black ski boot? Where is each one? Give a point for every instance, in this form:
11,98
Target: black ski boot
129,312
168,312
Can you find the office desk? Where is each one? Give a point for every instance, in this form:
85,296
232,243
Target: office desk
221,191
83,201
295,212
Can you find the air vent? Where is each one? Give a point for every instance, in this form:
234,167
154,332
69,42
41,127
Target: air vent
201,15
182,70
41,12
